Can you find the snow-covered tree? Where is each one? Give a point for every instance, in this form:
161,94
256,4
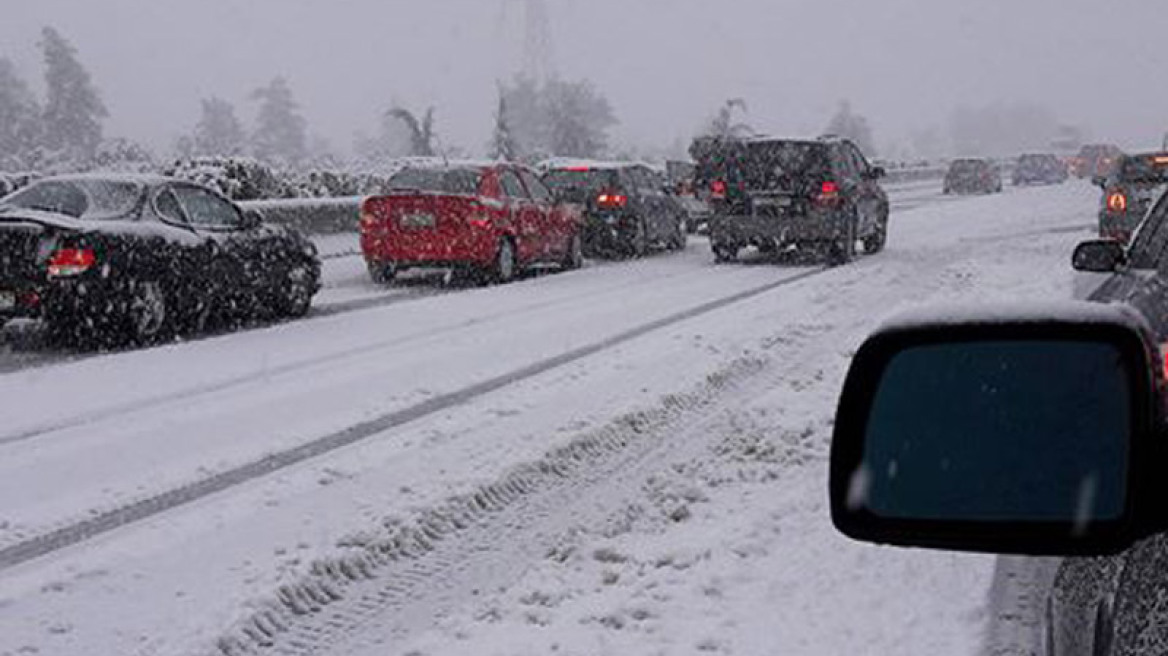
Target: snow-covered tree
281,132
421,130
120,154
503,143
525,116
218,131
725,125
578,119
20,119
849,125
73,110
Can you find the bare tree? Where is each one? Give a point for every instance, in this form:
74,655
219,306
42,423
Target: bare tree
421,130
725,126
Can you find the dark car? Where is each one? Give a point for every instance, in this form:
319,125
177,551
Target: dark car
1135,182
1042,169
972,176
779,193
1096,160
135,258
626,207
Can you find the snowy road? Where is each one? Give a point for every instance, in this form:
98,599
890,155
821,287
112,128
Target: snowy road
623,459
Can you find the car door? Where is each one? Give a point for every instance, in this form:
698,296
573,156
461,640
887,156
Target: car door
554,227
240,249
528,223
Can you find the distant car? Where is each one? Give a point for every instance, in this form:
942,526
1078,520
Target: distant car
1042,169
1133,185
136,258
972,176
488,219
818,195
1096,160
626,207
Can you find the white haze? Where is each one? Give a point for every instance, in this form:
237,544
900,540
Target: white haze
665,64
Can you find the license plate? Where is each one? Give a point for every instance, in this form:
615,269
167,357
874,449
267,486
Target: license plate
418,221
7,301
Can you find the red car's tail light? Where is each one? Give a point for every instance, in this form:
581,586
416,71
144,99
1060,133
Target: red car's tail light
66,262
718,190
1117,202
480,221
368,217
612,200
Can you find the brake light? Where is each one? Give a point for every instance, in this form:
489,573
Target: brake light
1117,202
612,200
67,262
829,193
718,190
480,221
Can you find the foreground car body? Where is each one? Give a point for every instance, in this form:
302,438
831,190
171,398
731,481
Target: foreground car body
134,258
625,207
490,219
778,193
1131,188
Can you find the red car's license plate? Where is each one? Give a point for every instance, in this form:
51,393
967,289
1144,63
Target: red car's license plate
418,221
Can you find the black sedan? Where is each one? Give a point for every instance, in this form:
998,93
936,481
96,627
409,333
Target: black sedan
135,259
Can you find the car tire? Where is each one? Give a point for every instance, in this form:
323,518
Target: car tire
503,268
724,253
874,243
574,258
146,317
295,292
382,273
843,249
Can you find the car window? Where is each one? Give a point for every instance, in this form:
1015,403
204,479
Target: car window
535,187
512,187
167,206
83,198
206,210
1148,246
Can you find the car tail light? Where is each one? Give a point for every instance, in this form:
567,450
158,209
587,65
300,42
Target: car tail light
829,193
368,218
480,221
718,190
1164,360
612,200
66,262
1117,202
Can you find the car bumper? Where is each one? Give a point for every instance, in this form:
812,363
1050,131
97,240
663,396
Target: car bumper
608,232
474,248
746,229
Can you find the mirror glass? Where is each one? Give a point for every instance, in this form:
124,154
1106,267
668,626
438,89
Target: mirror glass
998,431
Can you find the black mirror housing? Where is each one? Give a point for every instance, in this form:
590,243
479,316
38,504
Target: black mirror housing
1099,256
945,437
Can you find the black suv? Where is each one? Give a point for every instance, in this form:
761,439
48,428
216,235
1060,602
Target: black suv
778,193
627,207
1131,187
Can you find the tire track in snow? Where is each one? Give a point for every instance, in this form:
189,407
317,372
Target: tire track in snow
104,522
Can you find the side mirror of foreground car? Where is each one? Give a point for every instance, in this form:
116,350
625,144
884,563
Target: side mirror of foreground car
1022,431
1099,256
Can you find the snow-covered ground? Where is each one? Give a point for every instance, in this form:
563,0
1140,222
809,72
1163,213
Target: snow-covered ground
624,459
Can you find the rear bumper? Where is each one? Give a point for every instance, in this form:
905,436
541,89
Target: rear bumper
607,232
747,229
405,250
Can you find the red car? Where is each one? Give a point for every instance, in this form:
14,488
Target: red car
489,219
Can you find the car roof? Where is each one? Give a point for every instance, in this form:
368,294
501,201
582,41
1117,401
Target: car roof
145,179
559,164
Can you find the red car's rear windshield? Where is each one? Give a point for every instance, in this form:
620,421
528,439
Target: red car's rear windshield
441,181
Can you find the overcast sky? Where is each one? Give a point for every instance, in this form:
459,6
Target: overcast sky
665,64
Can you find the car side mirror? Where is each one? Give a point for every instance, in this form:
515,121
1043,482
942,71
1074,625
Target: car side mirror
1023,432
1099,181
1099,256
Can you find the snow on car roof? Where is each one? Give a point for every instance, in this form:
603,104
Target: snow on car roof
980,314
574,163
135,178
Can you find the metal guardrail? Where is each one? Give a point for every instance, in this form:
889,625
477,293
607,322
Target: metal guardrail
314,216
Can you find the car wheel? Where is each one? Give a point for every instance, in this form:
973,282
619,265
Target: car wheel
574,258
503,269
725,252
382,273
843,249
640,243
874,243
294,298
146,314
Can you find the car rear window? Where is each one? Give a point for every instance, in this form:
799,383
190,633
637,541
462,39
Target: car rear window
440,181
1145,168
763,164
968,166
81,199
